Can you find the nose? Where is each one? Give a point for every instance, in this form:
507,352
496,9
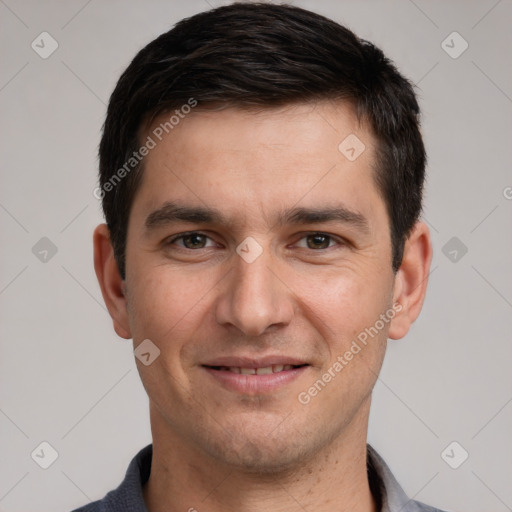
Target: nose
254,298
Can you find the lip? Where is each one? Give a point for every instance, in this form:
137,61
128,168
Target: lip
252,362
254,384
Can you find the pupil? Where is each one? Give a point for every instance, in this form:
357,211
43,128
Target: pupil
194,241
319,241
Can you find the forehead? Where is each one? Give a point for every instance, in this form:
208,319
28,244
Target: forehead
250,162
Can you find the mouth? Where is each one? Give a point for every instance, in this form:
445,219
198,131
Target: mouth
255,377
264,370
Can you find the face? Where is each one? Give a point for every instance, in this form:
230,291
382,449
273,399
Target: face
257,253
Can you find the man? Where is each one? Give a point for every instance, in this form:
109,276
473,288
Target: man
261,172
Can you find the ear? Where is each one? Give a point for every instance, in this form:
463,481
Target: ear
111,284
411,280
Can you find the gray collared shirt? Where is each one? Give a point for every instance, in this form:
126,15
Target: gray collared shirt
128,496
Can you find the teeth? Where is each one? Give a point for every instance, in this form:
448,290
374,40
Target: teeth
275,368
264,371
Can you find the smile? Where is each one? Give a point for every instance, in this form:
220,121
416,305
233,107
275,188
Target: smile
275,368
253,377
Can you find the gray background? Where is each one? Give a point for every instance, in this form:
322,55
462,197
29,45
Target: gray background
66,378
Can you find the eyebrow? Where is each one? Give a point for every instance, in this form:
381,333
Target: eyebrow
327,214
171,212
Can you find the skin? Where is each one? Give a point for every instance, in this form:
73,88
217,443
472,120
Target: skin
220,450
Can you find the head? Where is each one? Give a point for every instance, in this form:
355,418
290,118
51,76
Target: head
239,227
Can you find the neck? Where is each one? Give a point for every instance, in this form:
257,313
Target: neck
183,479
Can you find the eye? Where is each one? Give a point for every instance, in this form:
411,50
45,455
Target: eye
317,241
192,240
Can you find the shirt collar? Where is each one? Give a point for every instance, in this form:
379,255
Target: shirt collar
387,491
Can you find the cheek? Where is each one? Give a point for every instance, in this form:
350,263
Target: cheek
164,303
343,303
168,309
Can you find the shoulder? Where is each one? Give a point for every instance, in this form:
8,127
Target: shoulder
417,506
96,506
112,502
129,495
389,492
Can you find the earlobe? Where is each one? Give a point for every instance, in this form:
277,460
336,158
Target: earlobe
110,281
411,280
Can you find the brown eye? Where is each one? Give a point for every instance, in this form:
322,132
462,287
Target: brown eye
318,241
192,241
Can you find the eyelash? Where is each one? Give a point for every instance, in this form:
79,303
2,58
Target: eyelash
332,238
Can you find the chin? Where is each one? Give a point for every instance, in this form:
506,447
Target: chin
260,454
